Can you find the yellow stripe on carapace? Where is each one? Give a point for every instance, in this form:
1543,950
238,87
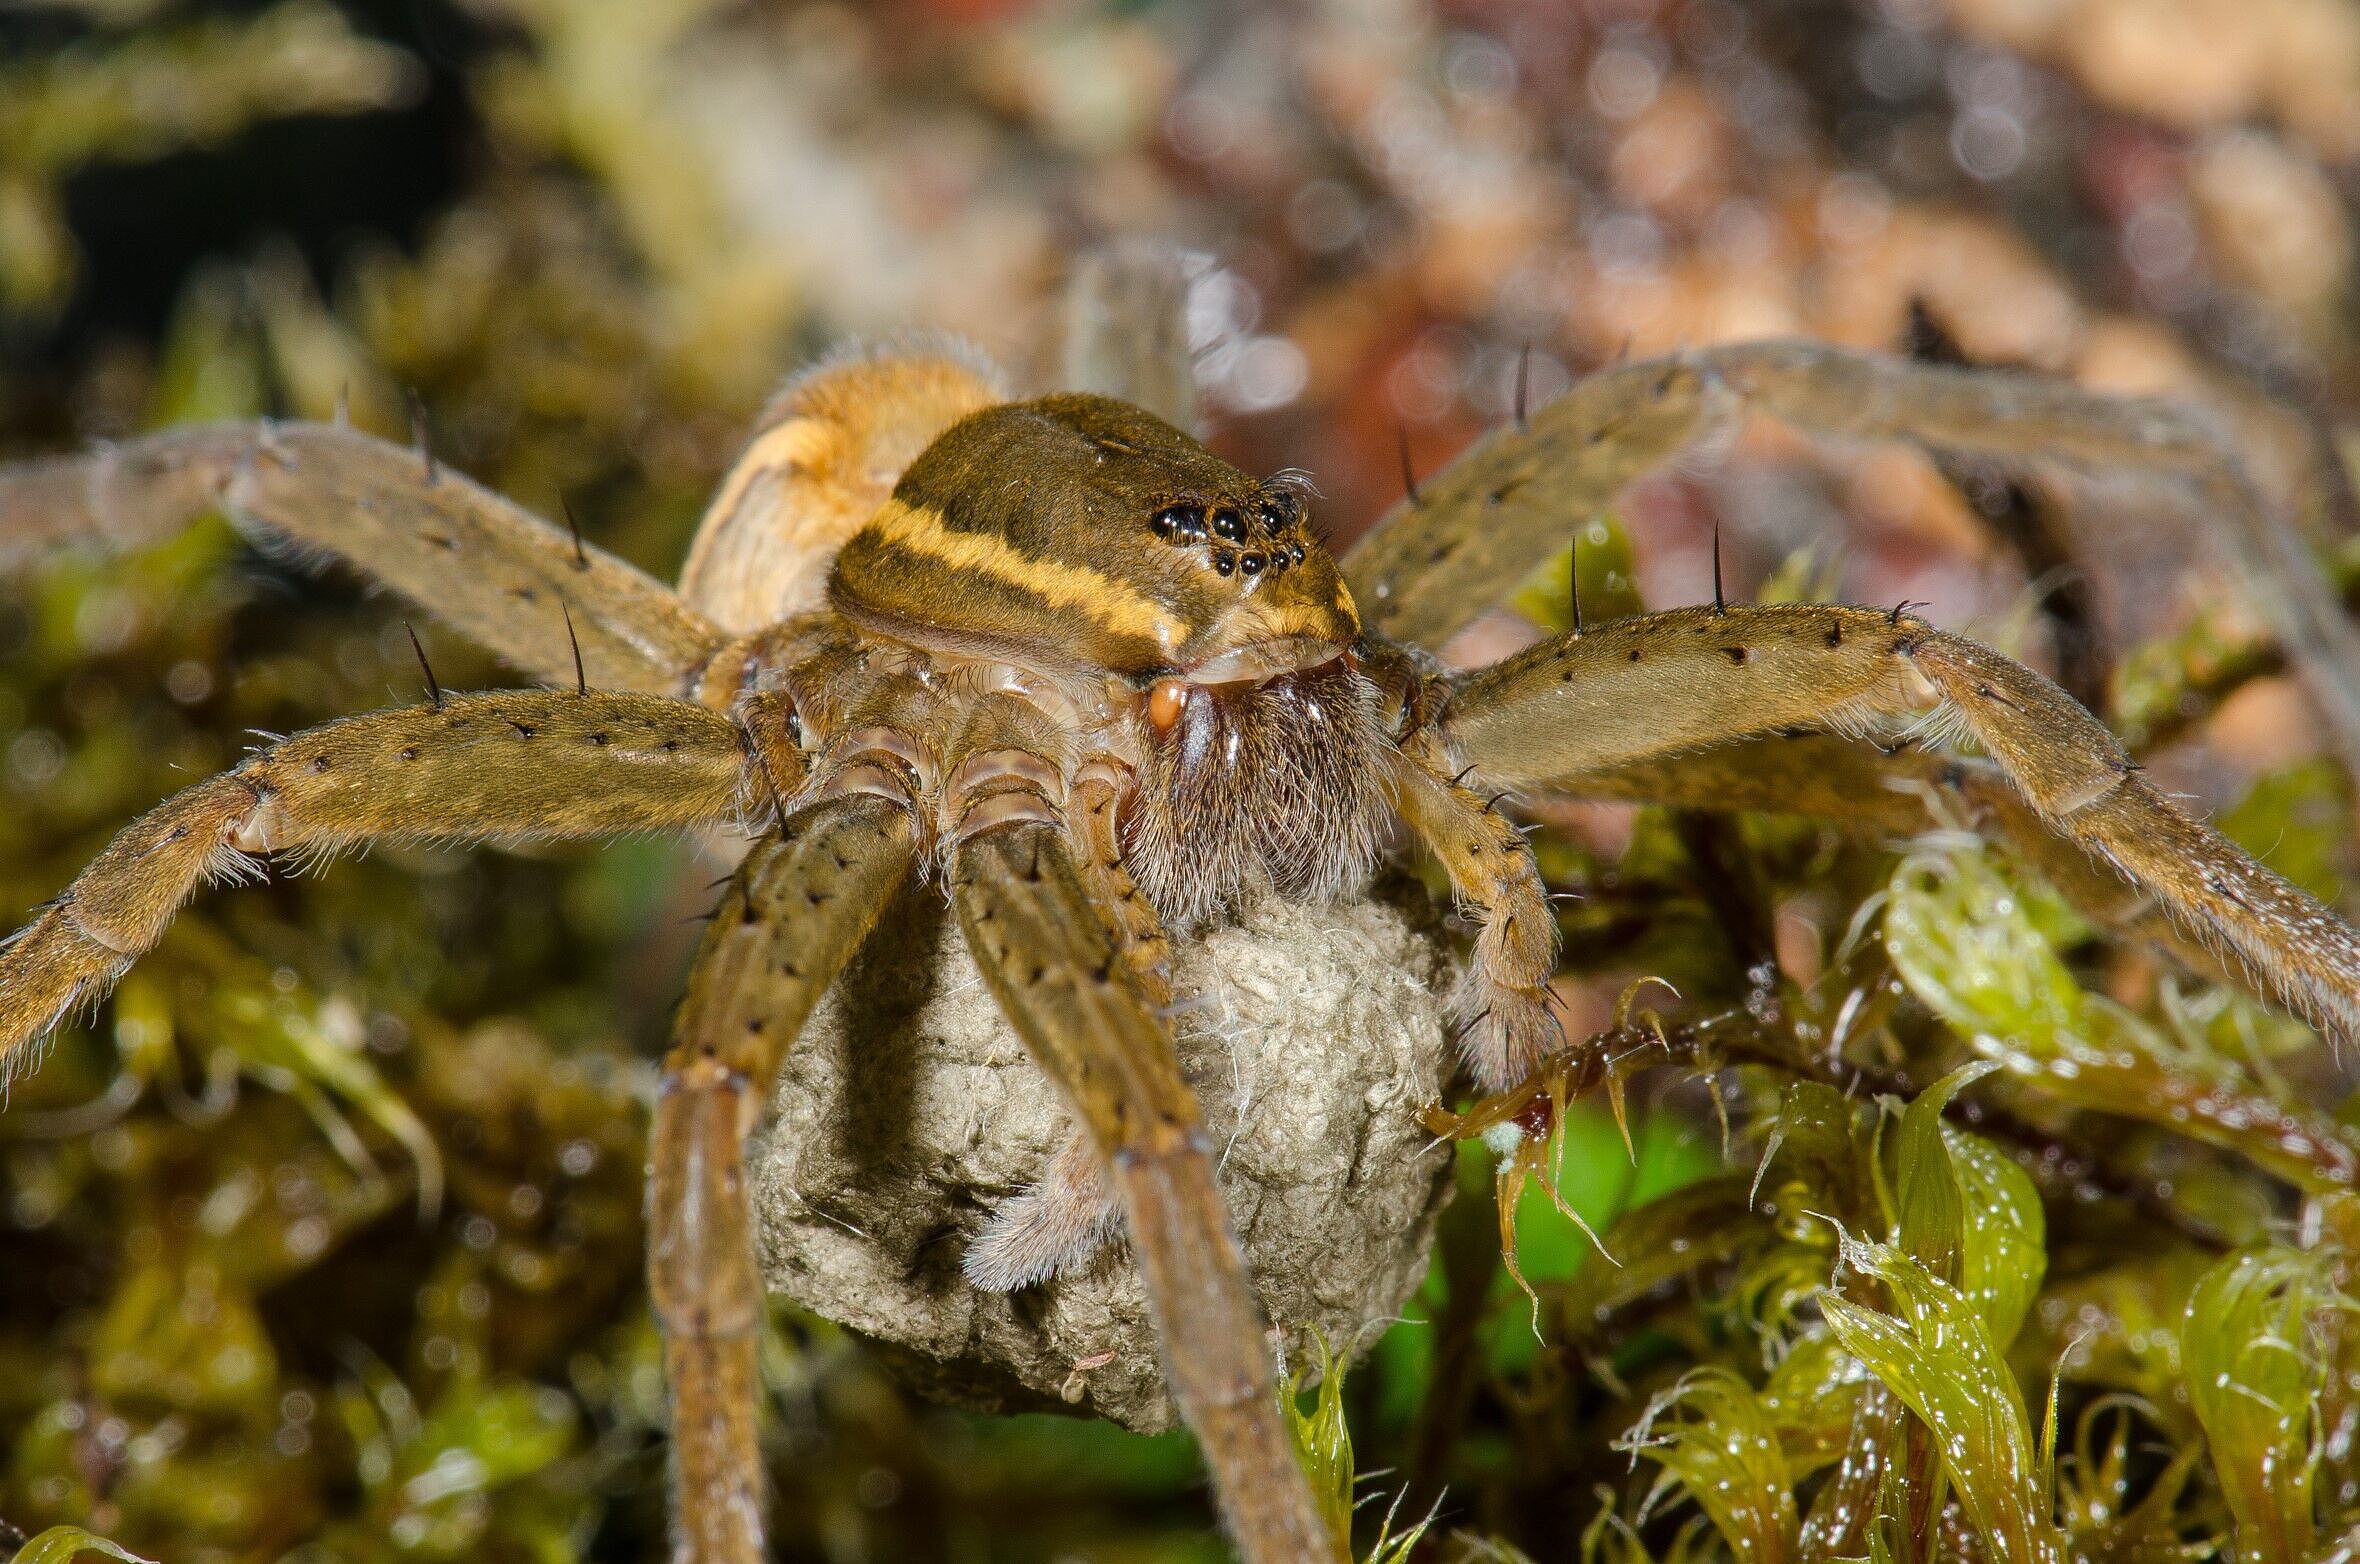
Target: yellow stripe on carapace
783,449
1061,584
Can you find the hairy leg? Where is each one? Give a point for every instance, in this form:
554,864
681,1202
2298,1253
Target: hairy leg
1894,793
1492,517
1649,687
1502,1002
794,914
503,577
1473,531
1062,1222
511,765
1053,964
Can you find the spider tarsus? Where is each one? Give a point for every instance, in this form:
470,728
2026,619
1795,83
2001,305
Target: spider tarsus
434,689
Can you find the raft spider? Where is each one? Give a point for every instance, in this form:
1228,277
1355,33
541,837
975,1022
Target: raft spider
1107,689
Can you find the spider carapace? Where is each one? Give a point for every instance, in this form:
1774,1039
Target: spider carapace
1104,689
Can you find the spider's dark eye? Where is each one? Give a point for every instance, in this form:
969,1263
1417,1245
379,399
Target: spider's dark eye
1277,515
1178,521
1225,564
1295,553
1229,524
1251,564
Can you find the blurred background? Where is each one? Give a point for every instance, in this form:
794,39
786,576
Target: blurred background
323,1242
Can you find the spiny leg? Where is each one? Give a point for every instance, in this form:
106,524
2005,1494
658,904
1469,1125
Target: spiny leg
503,577
511,765
2020,418
1063,1221
1487,521
794,914
1471,532
1658,684
1903,792
1502,1001
1052,962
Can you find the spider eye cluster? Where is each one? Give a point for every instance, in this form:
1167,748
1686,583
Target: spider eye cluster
1239,540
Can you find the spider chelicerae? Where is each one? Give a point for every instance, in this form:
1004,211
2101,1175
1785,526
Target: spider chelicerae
1108,690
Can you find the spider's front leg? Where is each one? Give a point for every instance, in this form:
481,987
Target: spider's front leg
1054,964
794,914
510,765
1659,684
1466,535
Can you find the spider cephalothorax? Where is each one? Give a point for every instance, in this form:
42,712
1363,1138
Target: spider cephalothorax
1056,661
1177,610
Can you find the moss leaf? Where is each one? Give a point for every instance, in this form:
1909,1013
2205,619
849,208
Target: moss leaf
1718,1444
1935,1352
2247,1346
62,1544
